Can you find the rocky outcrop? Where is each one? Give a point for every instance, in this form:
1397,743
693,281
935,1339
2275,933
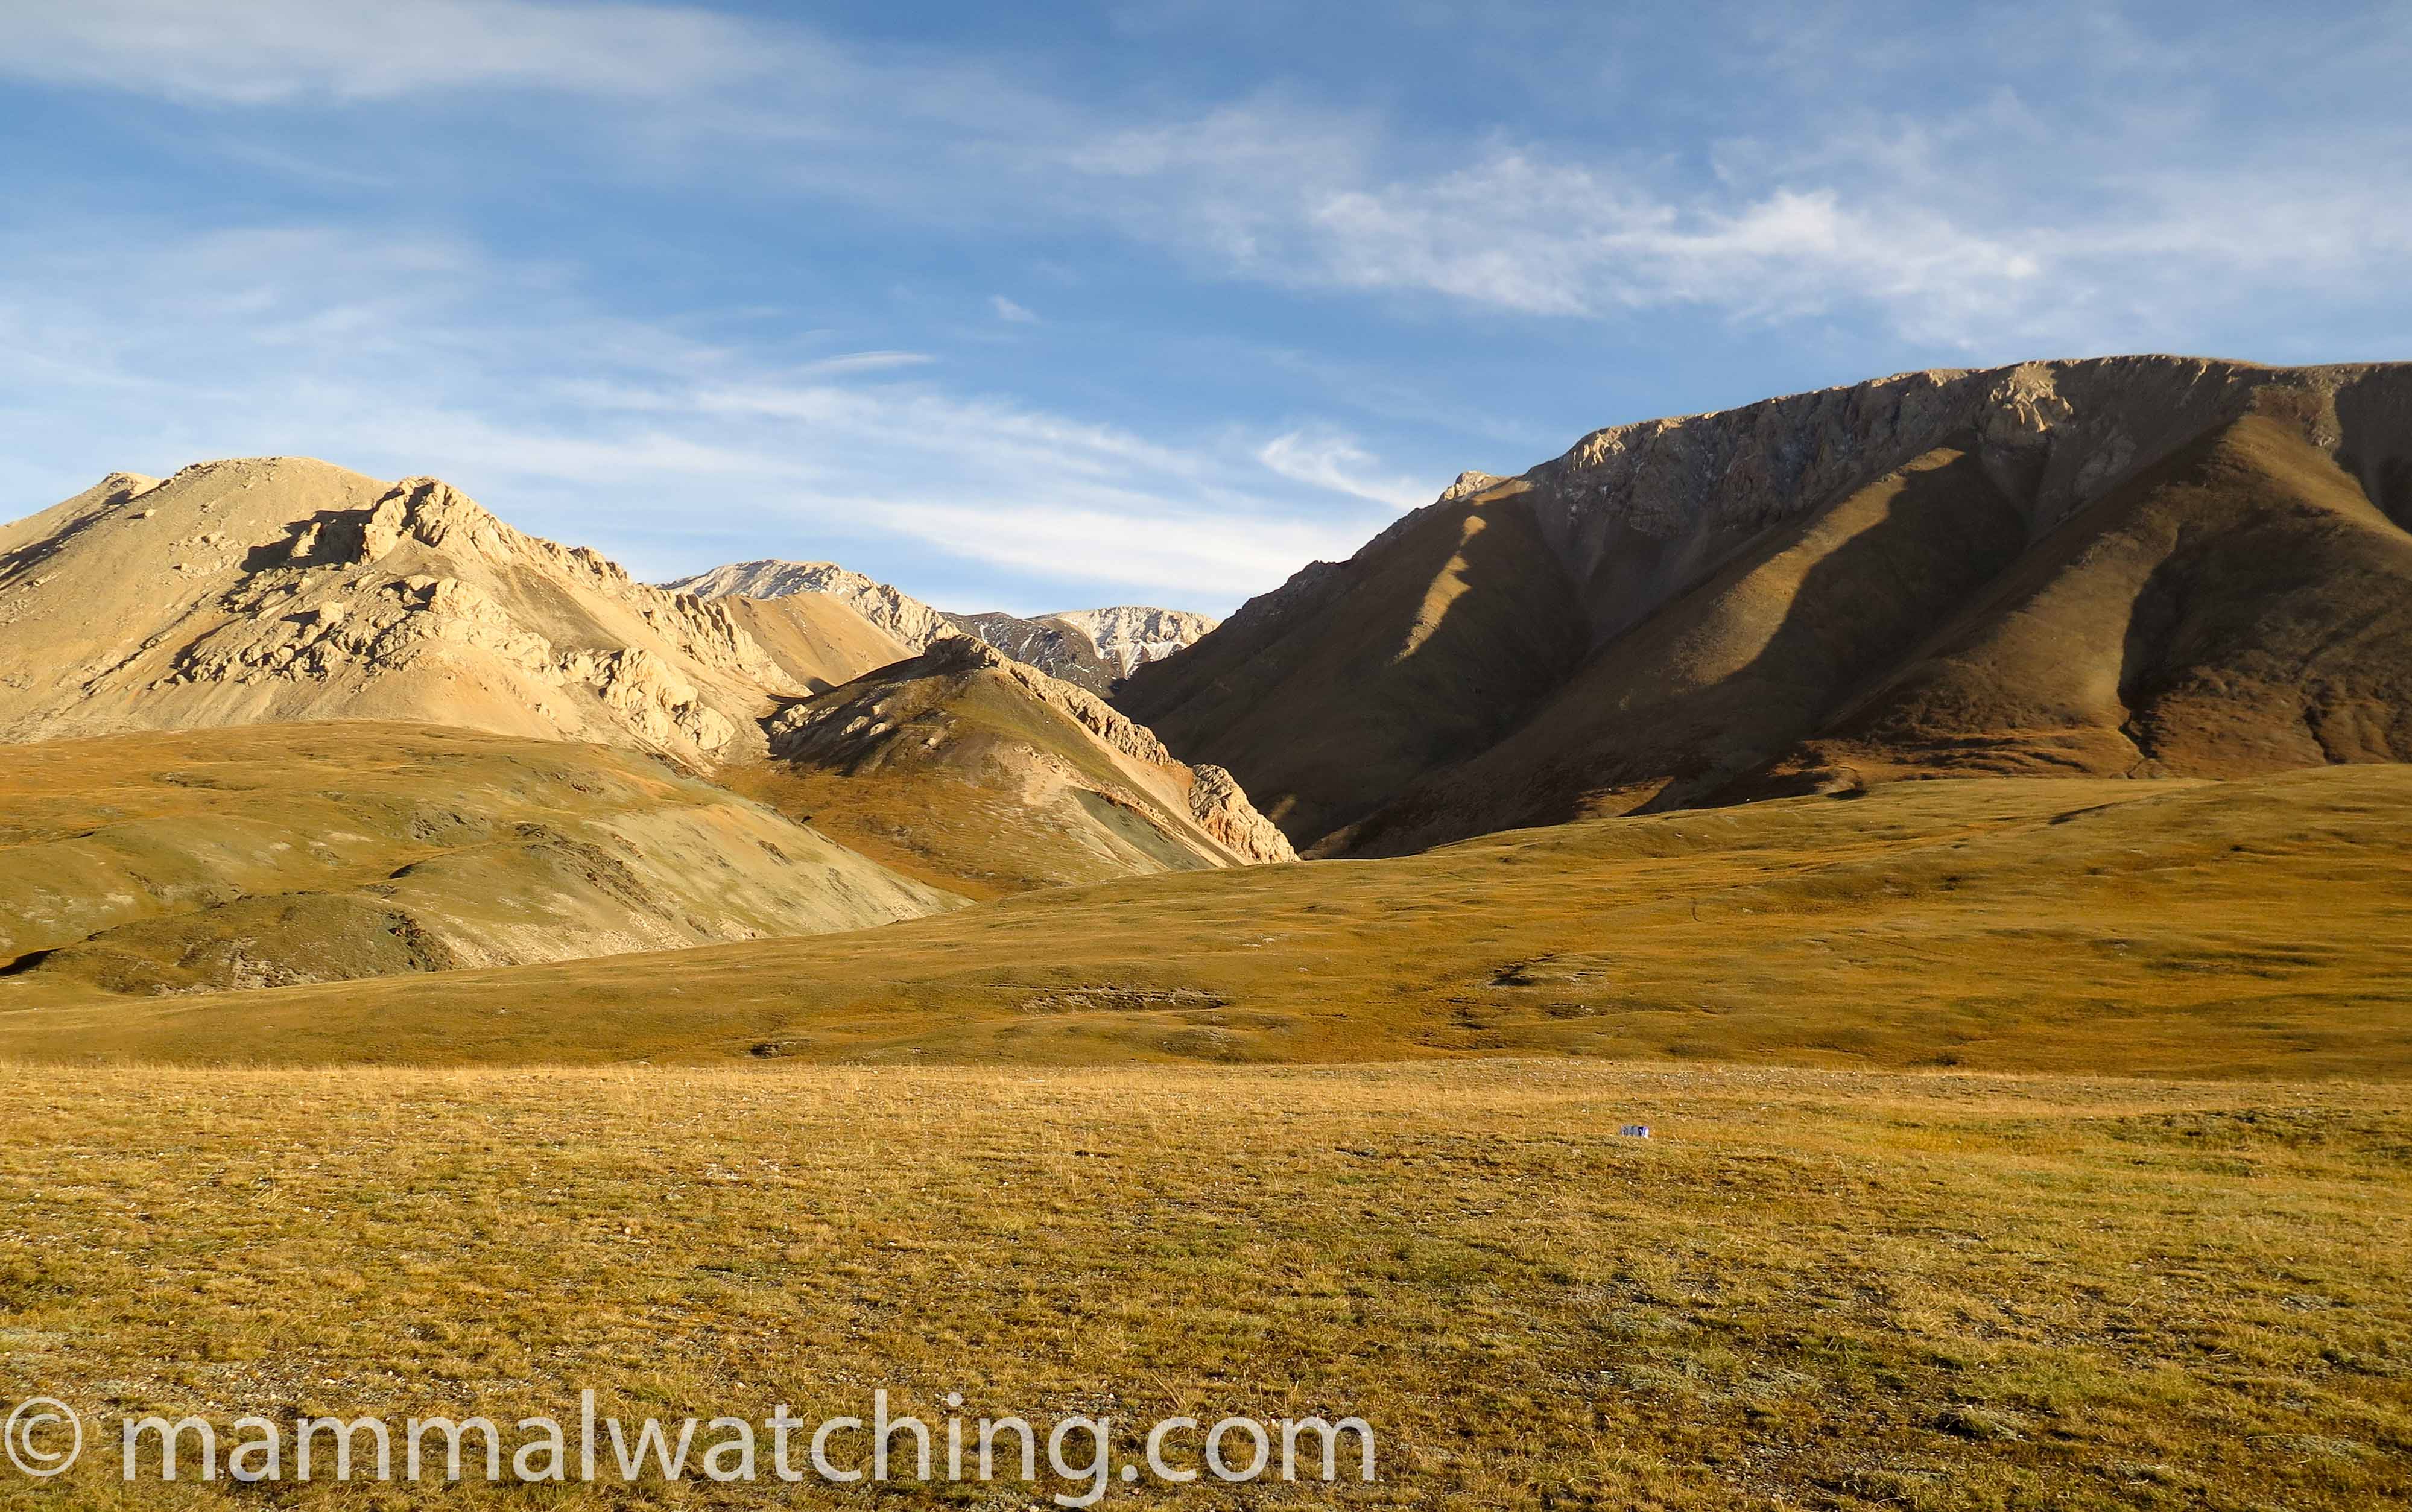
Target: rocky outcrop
1222,811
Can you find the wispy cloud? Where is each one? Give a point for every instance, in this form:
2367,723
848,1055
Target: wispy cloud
1329,459
1011,313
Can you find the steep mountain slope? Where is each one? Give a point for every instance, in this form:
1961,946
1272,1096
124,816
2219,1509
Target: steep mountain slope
1094,648
1055,649
1704,594
203,861
1737,669
280,589
1343,688
986,776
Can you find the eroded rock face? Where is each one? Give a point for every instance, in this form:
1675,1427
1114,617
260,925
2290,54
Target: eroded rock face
1220,808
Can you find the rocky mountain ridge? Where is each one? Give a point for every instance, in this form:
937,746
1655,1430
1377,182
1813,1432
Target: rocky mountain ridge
1094,648
1469,620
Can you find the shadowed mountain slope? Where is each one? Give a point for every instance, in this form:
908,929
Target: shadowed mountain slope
1741,666
1707,598
1363,677
2239,608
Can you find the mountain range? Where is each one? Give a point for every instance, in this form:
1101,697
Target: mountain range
1095,648
274,724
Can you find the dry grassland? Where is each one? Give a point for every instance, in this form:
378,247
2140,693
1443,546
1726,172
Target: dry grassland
1812,1288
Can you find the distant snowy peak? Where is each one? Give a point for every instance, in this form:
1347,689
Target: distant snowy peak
1129,635
1092,647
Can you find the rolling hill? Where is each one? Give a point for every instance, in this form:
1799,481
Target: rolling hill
2093,926
192,862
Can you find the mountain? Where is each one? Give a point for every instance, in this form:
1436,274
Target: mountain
282,854
984,776
1129,635
1094,648
906,618
1055,649
2152,566
820,642
281,589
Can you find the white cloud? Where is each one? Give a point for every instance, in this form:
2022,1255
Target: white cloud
1328,459
260,52
1011,313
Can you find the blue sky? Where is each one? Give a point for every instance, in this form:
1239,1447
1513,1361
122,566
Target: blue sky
1046,307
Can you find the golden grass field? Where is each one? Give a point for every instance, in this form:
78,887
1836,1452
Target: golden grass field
1811,1289
2019,1144
2255,928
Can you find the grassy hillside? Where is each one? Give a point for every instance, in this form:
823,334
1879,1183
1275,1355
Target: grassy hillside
1808,1289
248,857
2255,928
